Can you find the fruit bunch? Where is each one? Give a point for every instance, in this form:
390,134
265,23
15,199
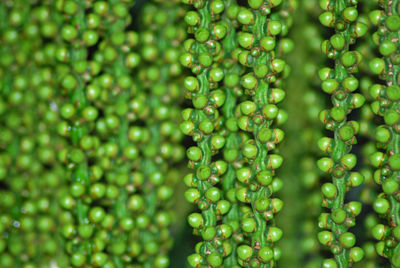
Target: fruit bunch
341,83
386,159
98,131
234,95
121,126
103,103
31,177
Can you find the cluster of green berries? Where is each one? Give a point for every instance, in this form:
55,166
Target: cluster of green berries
235,57
30,176
264,27
226,139
122,127
341,83
95,137
205,55
92,131
368,191
90,91
386,105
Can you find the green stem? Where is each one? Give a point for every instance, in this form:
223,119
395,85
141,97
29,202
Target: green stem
233,139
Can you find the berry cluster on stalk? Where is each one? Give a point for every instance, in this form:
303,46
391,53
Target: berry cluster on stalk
264,25
386,105
245,64
30,176
227,138
340,82
368,192
96,54
203,52
121,134
95,136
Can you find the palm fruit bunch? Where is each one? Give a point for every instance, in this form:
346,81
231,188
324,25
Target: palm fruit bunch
236,155
113,111
121,125
31,178
341,83
385,105
98,131
90,84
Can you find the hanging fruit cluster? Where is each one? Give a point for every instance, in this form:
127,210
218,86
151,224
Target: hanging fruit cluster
235,57
386,104
341,83
94,163
104,102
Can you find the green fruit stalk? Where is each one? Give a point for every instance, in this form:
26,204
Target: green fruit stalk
232,136
114,152
369,190
92,137
203,53
29,173
341,84
386,104
228,137
122,126
88,85
264,26
246,152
